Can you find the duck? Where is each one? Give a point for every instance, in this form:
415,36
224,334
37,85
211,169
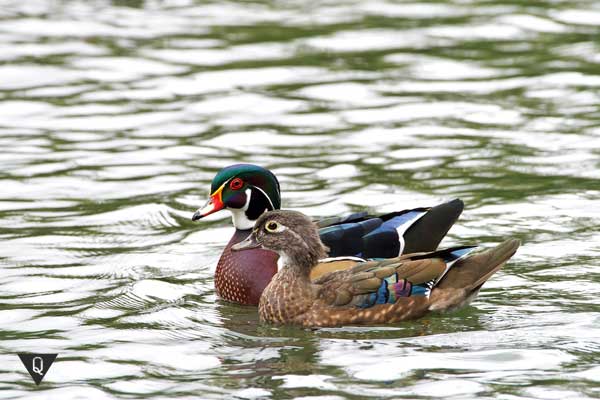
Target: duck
370,292
247,191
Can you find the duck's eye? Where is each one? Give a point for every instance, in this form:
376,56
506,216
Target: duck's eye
272,226
236,184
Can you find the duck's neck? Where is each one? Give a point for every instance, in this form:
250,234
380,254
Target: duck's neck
257,203
293,269
241,220
288,296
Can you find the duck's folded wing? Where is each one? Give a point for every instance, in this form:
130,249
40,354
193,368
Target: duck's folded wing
379,282
389,235
332,264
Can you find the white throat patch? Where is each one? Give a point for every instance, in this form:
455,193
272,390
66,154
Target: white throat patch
282,261
240,220
238,215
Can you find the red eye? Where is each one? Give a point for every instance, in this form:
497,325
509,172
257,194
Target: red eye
236,184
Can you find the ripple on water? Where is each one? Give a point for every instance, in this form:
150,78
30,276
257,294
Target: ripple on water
366,364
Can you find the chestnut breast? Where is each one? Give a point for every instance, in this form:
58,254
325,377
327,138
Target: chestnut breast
241,276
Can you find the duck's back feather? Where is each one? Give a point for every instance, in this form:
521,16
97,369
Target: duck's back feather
389,235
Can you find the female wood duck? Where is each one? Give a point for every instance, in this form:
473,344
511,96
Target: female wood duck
371,292
248,191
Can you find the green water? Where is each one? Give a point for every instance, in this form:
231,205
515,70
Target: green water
115,116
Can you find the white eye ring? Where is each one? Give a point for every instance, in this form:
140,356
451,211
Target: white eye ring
274,227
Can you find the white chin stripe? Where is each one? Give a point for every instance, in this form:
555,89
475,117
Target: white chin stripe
238,215
240,220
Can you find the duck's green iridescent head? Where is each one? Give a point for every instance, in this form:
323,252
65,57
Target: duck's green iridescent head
246,190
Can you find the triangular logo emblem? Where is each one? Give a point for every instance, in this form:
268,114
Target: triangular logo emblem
37,364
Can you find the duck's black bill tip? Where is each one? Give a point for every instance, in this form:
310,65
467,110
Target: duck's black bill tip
196,216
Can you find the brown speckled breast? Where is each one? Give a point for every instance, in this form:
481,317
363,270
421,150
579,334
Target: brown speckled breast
241,276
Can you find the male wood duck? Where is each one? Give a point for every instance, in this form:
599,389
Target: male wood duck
248,191
370,292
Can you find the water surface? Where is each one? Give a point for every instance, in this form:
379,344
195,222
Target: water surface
115,116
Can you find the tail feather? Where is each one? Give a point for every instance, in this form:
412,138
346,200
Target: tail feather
463,281
427,233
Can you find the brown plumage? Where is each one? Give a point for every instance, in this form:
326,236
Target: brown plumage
344,297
